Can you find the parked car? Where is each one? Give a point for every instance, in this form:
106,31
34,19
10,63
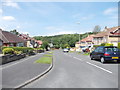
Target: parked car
65,50
106,53
86,48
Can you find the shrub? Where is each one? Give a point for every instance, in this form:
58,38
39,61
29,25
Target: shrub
18,52
8,51
102,44
96,46
119,45
108,44
23,49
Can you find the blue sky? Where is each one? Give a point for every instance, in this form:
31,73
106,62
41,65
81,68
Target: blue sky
53,18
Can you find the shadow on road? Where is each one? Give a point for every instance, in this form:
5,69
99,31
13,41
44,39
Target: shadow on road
109,62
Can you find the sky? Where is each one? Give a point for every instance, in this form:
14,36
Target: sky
54,18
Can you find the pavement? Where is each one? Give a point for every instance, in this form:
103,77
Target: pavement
73,70
16,73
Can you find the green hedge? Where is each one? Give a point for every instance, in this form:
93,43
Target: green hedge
119,45
23,49
8,51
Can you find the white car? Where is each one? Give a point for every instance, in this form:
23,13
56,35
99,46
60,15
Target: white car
65,50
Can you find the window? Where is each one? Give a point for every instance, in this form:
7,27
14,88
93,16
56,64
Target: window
100,49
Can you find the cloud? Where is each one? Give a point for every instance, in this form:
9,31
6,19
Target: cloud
110,11
10,3
60,33
1,11
83,17
8,18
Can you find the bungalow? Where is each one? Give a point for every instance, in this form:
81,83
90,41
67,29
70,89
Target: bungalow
109,35
88,41
30,42
8,39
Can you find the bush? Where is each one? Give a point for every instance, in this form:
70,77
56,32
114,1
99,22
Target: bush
96,46
23,49
102,44
119,45
8,51
108,44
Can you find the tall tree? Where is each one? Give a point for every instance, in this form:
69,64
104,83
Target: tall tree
97,29
14,32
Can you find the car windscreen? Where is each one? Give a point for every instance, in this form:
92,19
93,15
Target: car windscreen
112,49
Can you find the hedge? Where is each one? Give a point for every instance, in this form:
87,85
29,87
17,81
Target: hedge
8,51
119,45
23,49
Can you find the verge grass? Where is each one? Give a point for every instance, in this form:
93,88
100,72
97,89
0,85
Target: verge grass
44,60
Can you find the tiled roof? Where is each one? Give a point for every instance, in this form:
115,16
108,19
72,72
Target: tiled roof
39,42
8,37
108,31
88,39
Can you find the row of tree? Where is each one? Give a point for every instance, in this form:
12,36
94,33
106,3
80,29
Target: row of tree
63,41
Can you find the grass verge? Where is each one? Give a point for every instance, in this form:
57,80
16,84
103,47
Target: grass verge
48,55
45,60
86,54
50,52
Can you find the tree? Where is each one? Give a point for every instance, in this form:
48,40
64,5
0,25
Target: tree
45,45
97,29
14,32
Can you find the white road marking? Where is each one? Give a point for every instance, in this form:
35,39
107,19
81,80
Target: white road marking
99,67
77,58
17,62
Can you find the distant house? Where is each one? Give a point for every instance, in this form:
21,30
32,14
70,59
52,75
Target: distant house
88,41
30,42
8,39
109,35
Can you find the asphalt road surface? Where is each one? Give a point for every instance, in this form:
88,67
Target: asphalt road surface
18,72
73,70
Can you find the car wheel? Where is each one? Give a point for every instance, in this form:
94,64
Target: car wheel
91,57
102,60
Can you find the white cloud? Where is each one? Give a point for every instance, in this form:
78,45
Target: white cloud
1,11
83,17
110,11
61,32
8,18
10,3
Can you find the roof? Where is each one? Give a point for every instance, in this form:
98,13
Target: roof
8,37
88,39
39,42
109,32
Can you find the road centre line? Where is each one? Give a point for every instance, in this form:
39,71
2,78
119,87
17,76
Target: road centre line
99,67
18,62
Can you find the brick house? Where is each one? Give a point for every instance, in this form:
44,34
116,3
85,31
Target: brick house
108,35
8,39
30,42
88,41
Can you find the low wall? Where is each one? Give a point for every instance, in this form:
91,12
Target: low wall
9,58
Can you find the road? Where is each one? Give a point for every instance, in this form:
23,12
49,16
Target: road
18,72
73,70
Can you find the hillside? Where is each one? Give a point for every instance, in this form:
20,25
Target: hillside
64,40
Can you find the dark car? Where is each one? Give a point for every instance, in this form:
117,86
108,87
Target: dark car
106,53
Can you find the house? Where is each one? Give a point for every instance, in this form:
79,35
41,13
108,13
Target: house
30,42
8,39
108,35
88,41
